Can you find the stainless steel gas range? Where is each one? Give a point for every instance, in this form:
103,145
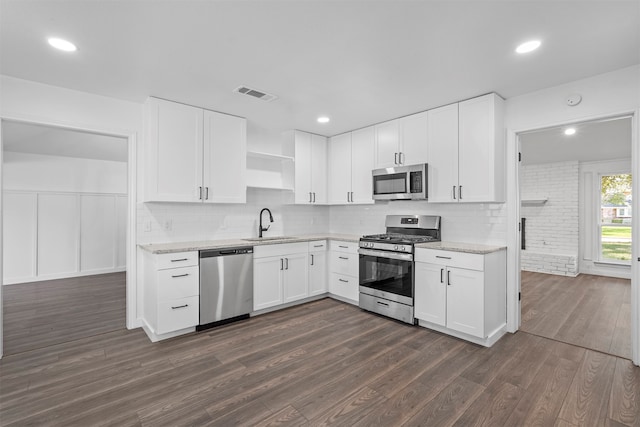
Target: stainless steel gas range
386,264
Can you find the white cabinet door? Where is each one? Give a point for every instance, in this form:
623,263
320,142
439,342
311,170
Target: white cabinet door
430,293
174,171
98,232
19,213
303,165
267,282
225,158
362,161
296,277
319,169
442,130
478,159
317,273
413,138
387,144
465,301
58,234
340,169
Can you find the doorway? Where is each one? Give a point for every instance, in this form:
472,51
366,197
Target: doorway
575,188
65,213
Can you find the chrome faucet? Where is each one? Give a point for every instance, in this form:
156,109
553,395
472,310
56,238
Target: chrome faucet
260,228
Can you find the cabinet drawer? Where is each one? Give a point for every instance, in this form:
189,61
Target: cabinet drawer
318,246
280,249
175,283
340,246
344,286
178,314
177,259
450,258
344,263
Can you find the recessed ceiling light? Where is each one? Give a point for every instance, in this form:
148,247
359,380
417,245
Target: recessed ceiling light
323,119
62,44
569,131
529,46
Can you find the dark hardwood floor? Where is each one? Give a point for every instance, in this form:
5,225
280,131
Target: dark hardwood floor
41,314
588,311
320,363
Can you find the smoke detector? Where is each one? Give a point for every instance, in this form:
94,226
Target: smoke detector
255,93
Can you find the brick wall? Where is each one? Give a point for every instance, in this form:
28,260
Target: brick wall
552,228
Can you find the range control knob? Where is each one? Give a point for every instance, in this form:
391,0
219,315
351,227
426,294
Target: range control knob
395,248
402,249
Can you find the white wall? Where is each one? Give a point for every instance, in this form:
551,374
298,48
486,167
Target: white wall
36,172
552,227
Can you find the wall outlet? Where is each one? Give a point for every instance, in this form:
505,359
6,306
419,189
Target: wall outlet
167,224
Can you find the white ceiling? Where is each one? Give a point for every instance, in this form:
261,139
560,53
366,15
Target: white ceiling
593,141
35,139
360,62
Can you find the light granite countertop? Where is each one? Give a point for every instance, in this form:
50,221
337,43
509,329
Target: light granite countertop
470,248
165,248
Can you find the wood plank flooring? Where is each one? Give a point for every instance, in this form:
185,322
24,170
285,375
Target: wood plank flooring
41,314
588,311
320,363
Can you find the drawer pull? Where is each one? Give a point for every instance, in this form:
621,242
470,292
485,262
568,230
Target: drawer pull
342,280
343,247
180,306
443,257
343,257
383,303
318,246
178,260
180,275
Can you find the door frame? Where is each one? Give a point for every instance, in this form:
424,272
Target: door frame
513,222
131,246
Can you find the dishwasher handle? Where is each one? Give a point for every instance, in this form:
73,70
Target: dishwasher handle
226,252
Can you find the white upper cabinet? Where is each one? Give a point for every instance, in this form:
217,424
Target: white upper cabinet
310,168
174,167
481,150
225,158
466,151
351,161
387,144
413,139
194,155
442,170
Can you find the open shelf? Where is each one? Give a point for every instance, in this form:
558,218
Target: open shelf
269,156
270,171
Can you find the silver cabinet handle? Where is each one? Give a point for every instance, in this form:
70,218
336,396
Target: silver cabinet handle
352,197
200,192
448,278
178,260
281,264
400,157
180,275
443,257
441,273
460,192
343,257
395,158
206,193
318,246
179,306
311,259
454,192
344,247
344,281
314,197
286,263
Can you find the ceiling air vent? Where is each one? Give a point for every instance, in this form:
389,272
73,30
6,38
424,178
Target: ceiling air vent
255,93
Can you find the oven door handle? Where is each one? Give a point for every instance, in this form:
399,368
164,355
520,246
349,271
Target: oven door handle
386,254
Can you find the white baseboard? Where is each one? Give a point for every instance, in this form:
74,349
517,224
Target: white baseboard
18,281
491,339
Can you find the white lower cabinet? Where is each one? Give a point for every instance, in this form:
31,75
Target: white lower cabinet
344,271
172,294
280,274
462,294
317,268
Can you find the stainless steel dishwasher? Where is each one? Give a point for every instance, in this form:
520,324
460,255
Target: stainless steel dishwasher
226,286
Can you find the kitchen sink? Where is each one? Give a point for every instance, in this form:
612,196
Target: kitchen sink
269,239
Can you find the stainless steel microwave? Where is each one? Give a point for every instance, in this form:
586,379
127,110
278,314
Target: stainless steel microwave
400,183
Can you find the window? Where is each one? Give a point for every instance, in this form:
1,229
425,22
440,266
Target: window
615,218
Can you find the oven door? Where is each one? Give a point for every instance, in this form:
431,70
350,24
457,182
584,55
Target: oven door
387,275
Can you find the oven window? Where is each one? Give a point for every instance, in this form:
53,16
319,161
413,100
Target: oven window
390,184
388,275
